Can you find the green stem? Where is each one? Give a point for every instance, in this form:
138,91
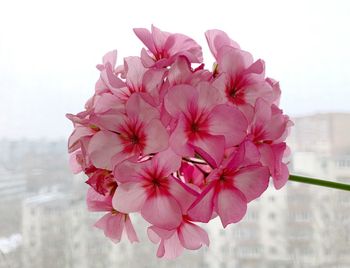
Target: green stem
329,184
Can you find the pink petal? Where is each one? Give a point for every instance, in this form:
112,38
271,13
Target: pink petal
155,233
278,151
220,83
152,81
262,111
100,85
146,37
134,73
122,156
110,78
251,153
248,111
275,89
179,44
78,133
280,173
109,120
168,161
228,121
202,209
98,202
102,147
252,181
172,247
246,154
178,98
128,171
129,197
179,72
112,225
162,210
157,137
209,96
130,231
152,235
161,249
108,101
257,90
211,148
159,38
233,61
74,165
184,195
276,127
179,140
258,67
137,107
110,57
230,204
217,39
282,177
267,157
192,236
147,60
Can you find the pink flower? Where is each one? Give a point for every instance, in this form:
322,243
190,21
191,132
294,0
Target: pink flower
164,47
149,187
139,79
102,181
137,133
240,79
237,181
113,223
80,132
172,242
200,112
268,131
109,79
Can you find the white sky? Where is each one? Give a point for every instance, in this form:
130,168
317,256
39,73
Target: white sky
49,49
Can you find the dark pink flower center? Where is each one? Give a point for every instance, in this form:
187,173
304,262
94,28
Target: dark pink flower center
196,124
194,127
234,92
161,55
226,175
259,135
133,136
155,179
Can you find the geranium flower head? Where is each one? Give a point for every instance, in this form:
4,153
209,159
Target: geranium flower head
179,144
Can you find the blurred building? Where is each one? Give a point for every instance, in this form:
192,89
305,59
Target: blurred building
12,185
44,230
320,148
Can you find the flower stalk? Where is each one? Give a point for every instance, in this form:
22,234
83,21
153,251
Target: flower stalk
324,183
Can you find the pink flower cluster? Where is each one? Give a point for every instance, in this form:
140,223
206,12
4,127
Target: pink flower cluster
179,144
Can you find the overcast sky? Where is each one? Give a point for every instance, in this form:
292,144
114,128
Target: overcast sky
49,49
